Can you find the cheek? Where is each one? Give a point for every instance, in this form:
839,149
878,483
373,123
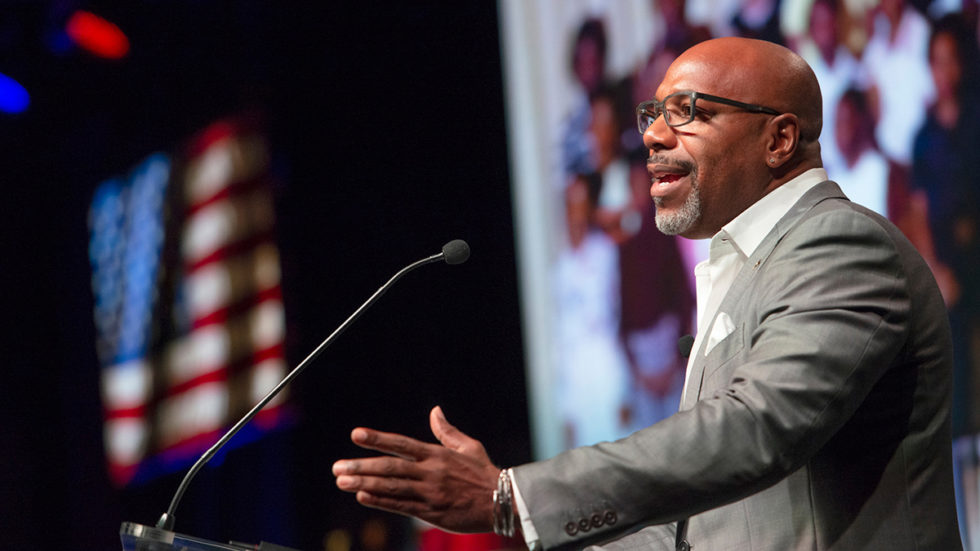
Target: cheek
723,163
721,179
712,172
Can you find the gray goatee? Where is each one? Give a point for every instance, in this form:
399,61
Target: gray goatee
678,222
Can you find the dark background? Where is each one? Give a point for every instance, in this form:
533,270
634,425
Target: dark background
386,122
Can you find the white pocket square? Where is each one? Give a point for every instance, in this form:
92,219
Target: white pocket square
722,327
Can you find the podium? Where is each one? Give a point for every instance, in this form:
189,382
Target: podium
138,537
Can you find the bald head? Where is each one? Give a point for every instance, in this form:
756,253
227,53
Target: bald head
755,130
756,71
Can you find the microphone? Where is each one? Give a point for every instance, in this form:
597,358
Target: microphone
684,345
454,252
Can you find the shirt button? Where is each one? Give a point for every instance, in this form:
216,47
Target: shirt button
571,528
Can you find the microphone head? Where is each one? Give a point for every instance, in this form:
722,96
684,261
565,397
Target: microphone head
456,251
684,345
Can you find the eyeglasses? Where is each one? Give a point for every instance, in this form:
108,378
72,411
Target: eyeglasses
680,108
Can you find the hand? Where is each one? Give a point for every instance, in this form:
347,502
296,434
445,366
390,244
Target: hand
449,485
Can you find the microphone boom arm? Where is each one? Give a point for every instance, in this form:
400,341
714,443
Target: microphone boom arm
166,521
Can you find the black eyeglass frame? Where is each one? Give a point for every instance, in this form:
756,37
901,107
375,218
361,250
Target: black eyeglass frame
644,110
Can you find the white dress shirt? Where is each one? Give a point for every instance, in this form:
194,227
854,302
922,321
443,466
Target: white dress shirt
729,250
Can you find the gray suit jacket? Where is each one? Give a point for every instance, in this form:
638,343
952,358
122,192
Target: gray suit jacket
821,422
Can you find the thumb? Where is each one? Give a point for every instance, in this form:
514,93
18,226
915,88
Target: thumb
446,433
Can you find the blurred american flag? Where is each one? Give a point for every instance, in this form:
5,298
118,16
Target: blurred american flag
188,301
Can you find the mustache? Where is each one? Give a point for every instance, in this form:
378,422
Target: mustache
655,159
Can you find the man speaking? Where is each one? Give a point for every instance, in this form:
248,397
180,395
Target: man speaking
816,409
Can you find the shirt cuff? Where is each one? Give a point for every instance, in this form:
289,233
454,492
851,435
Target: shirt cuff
527,527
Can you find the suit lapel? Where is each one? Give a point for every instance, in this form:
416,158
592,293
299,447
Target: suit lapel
820,192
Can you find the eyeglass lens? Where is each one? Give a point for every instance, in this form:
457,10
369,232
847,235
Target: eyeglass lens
678,109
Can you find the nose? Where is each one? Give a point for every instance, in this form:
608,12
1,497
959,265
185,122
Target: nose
658,136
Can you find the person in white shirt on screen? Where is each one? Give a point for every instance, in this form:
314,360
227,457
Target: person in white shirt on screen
591,365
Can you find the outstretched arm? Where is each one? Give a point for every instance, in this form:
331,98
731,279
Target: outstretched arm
449,485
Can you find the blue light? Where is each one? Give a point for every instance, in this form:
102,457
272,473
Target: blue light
13,97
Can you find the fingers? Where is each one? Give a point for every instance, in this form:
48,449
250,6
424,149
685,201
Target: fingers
446,433
441,428
384,486
400,488
377,466
394,444
384,482
453,438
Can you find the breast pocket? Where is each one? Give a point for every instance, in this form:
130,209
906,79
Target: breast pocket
719,364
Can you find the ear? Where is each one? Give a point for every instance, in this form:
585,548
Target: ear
783,139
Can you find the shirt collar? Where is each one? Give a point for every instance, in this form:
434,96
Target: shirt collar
751,226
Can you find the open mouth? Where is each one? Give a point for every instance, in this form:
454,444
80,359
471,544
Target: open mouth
666,178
